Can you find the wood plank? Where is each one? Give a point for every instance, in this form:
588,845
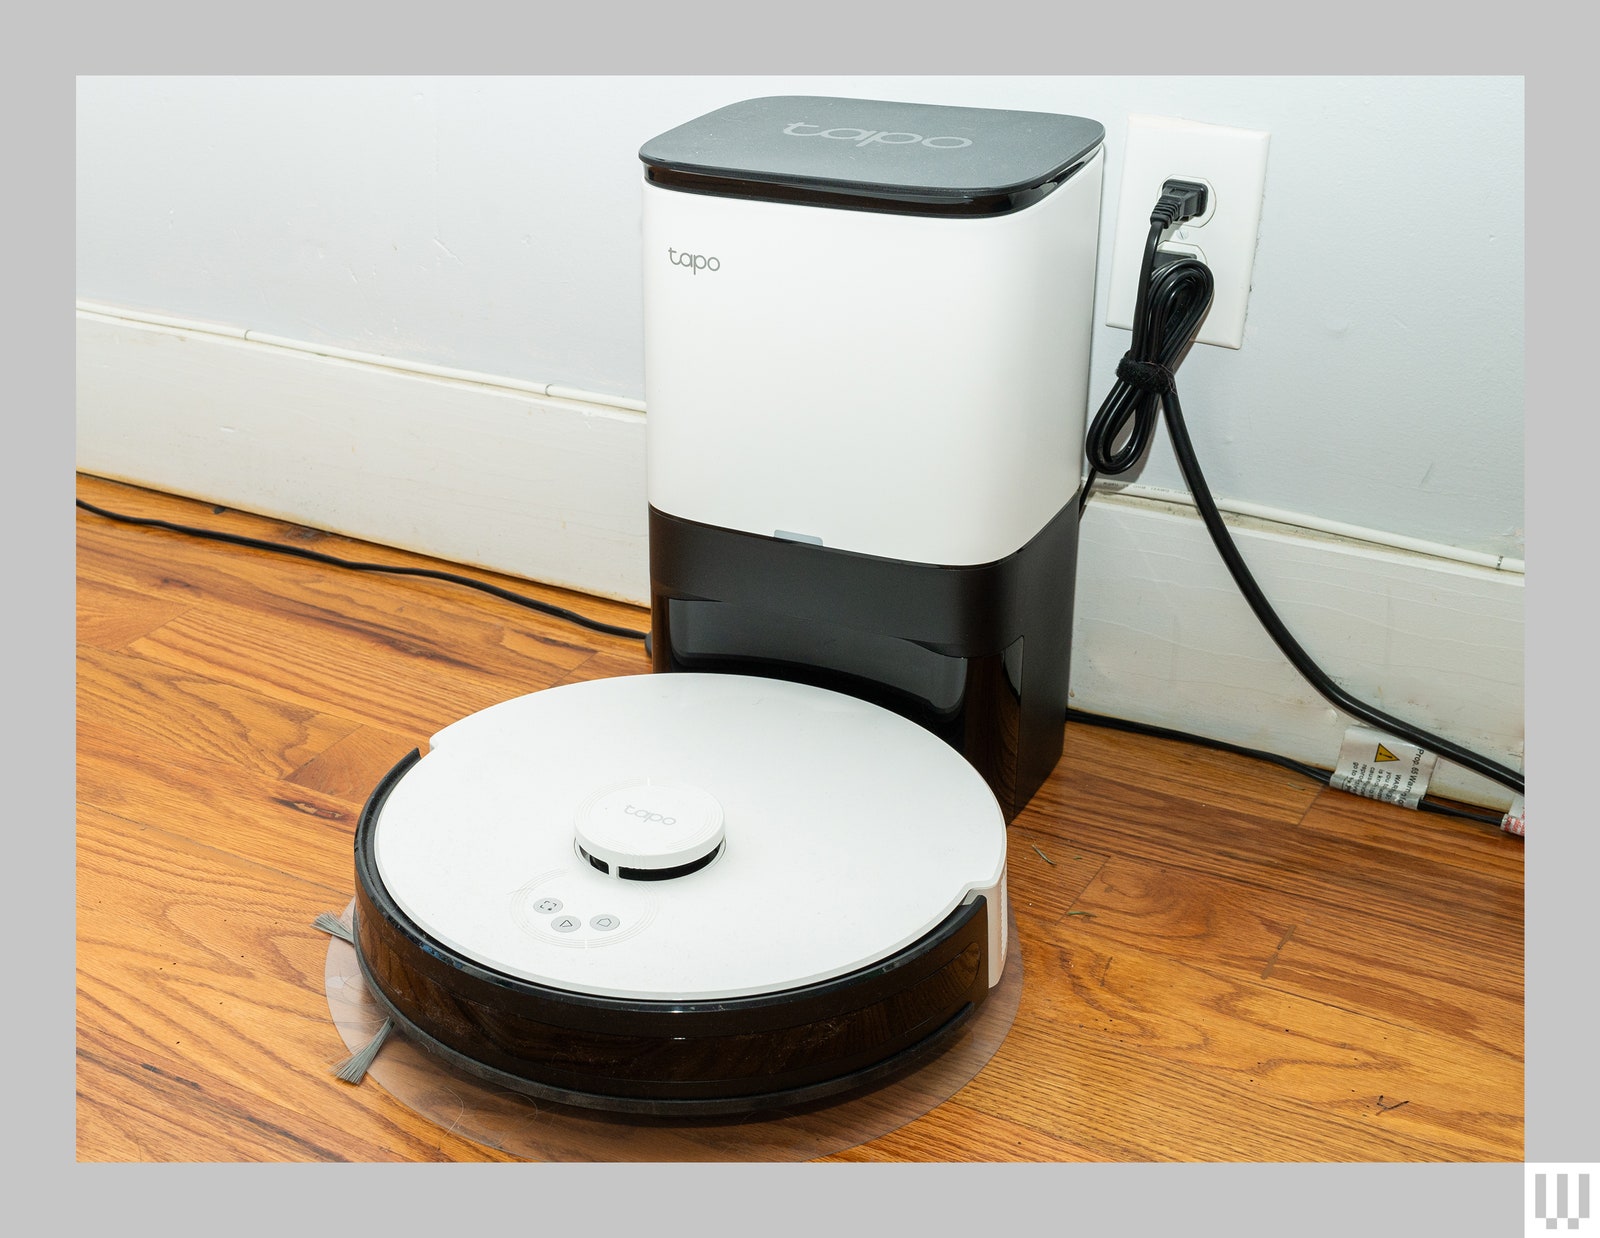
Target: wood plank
1418,981
109,616
1125,803
1353,960
204,1033
955,1132
350,769
138,696
1149,908
630,659
333,668
1044,878
304,835
1481,850
1210,776
1143,1058
135,1104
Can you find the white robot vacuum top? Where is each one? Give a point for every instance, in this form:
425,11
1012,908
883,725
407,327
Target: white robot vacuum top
691,891
687,836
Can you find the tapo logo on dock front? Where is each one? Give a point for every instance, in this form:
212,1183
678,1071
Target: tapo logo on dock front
870,137
695,262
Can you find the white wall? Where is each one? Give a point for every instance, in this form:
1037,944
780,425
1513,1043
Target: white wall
491,225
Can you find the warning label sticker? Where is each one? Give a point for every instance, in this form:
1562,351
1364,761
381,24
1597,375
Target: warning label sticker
1382,768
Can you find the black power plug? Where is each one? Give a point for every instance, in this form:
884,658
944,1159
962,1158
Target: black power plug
1180,201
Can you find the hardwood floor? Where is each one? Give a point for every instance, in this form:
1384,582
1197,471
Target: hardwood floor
1223,960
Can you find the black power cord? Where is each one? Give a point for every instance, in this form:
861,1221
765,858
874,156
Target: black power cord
1173,298
317,556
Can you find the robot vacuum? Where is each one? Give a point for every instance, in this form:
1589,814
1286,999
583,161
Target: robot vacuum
682,894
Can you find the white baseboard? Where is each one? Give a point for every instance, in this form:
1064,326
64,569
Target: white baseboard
523,479
478,473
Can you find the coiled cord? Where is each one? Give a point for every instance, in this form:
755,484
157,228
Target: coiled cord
1172,303
1173,299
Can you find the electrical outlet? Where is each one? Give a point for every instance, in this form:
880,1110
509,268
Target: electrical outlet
1232,163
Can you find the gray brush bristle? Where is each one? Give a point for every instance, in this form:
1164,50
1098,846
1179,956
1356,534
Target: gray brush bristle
331,924
354,1068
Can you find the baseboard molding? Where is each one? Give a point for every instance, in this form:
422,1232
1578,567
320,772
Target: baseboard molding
549,487
484,474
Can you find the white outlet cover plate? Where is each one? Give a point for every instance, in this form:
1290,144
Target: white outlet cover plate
1233,163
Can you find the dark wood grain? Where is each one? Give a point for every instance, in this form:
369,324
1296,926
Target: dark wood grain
1223,960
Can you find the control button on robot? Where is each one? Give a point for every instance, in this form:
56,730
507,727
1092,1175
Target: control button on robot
548,905
565,924
603,924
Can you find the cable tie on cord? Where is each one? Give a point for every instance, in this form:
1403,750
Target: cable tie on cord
1146,375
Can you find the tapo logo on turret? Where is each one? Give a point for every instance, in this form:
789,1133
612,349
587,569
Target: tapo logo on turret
878,137
653,818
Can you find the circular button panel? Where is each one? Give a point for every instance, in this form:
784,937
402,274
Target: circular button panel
575,907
